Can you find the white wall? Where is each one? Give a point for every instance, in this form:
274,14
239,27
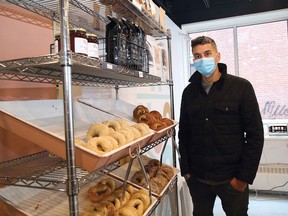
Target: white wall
180,63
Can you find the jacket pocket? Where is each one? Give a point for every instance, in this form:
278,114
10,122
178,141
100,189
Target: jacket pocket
226,107
227,114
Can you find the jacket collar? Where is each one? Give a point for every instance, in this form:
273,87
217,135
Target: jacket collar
197,77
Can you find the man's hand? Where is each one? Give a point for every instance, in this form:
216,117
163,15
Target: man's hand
238,184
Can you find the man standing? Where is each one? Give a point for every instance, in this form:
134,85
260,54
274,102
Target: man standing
220,134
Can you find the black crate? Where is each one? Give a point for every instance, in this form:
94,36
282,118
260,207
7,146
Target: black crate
124,52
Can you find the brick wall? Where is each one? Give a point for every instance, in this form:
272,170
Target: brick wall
263,60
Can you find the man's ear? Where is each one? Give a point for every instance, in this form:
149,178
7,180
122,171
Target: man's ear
218,57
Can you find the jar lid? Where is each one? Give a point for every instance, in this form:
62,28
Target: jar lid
91,35
78,29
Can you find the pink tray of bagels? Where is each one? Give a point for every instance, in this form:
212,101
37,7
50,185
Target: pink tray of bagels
159,185
42,122
124,110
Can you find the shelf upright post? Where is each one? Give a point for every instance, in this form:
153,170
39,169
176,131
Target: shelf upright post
66,63
117,90
172,111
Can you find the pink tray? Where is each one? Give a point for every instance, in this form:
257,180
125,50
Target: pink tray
85,158
123,110
161,133
120,173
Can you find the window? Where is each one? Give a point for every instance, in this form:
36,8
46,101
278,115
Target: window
261,57
263,60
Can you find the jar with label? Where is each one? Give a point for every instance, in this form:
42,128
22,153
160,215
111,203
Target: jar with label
93,46
78,41
57,45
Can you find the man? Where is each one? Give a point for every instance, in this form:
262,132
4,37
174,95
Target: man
220,134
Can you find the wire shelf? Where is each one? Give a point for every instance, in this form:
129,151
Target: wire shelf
47,171
84,14
86,71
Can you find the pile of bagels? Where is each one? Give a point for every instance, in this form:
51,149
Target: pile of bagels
152,118
108,200
158,176
106,136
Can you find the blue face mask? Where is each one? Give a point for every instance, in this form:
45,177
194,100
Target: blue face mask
205,66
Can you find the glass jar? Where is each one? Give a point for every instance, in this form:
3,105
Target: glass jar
78,41
93,46
57,45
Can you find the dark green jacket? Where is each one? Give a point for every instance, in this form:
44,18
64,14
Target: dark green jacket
220,133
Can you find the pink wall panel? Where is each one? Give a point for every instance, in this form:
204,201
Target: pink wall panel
24,34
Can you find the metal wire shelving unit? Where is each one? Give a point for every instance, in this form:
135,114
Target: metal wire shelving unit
44,170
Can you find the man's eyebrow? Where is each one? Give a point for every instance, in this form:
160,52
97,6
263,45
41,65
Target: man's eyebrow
208,51
203,52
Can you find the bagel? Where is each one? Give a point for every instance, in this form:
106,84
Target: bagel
143,191
127,211
142,128
111,130
158,125
151,170
103,189
146,118
144,197
110,207
123,123
115,125
102,145
113,141
160,181
119,137
96,209
166,171
129,189
137,204
167,121
127,133
139,178
114,200
97,130
108,181
154,163
155,188
139,110
136,133
156,114
123,200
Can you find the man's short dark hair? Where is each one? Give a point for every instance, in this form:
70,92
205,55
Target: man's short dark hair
203,40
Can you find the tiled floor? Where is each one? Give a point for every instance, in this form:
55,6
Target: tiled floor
262,205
